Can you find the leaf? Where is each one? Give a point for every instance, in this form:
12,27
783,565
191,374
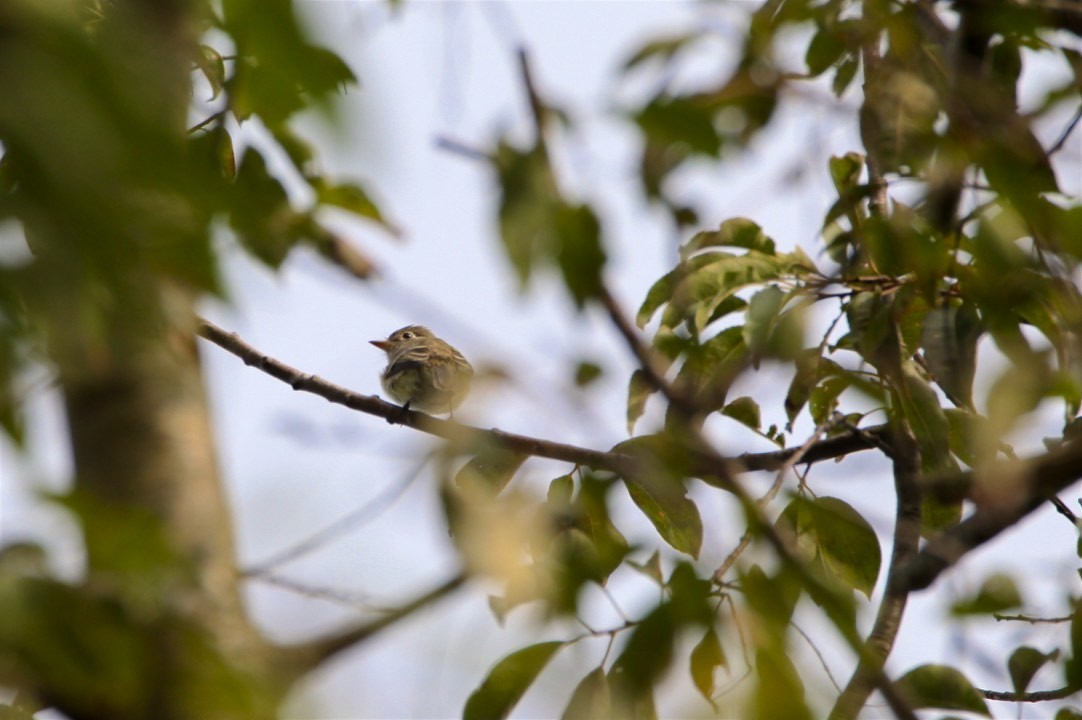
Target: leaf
845,171
651,568
1024,663
996,594
847,542
578,251
683,121
706,657
744,410
925,416
508,681
779,692
490,469
638,392
664,501
560,490
590,699
942,687
647,653
586,372
662,48
762,315
826,46
737,232
354,198
949,338
843,76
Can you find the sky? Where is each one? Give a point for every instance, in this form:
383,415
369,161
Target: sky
295,465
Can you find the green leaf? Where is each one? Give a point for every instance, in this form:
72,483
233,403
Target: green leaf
996,594
491,469
647,653
1024,663
508,681
586,372
261,215
920,405
638,392
843,76
737,232
683,121
779,692
762,314
590,699
651,568
528,202
744,410
706,657
940,686
845,171
560,490
579,252
949,339
664,501
826,46
663,49
844,543
354,198
1068,713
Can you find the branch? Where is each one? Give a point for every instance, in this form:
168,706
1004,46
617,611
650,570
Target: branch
299,659
1032,483
907,524
1032,697
647,358
448,429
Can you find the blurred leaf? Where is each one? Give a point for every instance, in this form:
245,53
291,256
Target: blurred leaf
261,214
579,252
508,681
662,49
843,542
590,699
949,339
706,657
690,595
651,568
355,199
920,404
684,121
586,372
845,171
210,63
779,692
638,392
528,196
996,594
825,48
666,505
490,470
1024,663
940,686
1068,713
736,232
560,490
647,653
762,315
744,410
847,70
773,598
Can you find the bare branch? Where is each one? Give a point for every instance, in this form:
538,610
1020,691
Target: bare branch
1034,482
907,524
1030,697
297,660
457,432
1031,620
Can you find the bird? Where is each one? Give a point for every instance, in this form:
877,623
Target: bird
423,372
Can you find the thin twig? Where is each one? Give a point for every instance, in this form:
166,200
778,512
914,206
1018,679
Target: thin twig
350,521
1031,620
1058,145
1030,697
298,659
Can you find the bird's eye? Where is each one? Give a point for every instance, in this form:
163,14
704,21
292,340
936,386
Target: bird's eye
407,336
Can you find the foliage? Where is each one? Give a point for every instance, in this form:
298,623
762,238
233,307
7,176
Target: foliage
119,200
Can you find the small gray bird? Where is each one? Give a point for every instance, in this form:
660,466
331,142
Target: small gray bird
423,372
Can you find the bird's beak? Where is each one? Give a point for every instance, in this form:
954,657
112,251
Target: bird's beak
381,344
